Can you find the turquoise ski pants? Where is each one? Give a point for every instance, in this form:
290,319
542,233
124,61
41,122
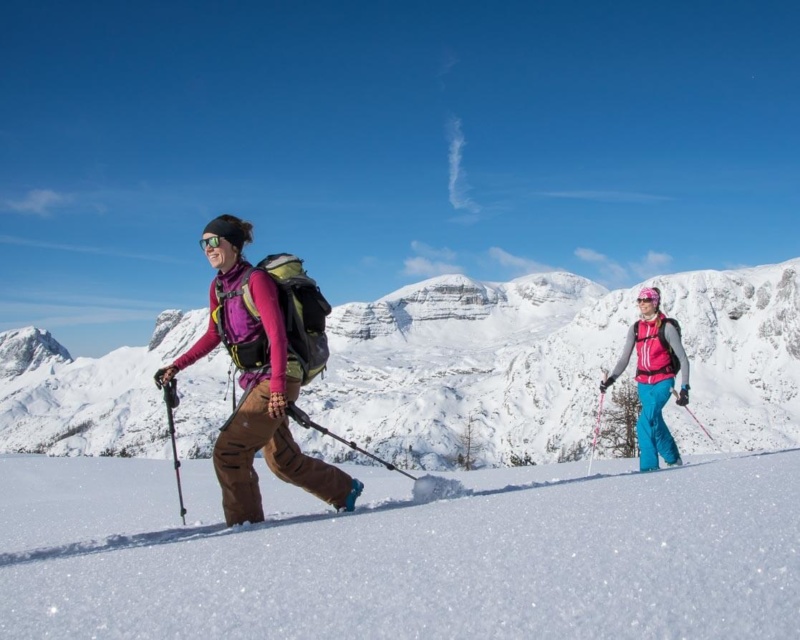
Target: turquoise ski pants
653,433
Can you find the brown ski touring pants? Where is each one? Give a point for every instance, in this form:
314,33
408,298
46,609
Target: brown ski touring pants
249,429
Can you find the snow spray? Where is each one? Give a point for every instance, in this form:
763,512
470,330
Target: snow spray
431,488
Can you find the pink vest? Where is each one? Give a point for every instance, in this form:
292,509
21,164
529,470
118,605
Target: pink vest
650,354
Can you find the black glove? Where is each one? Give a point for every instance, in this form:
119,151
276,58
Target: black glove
605,384
683,397
164,375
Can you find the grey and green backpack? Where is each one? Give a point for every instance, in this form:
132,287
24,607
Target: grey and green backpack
304,310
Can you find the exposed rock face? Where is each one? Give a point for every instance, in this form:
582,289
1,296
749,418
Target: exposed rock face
28,349
166,322
455,297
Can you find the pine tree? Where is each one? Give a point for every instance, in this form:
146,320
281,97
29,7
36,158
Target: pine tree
471,444
618,433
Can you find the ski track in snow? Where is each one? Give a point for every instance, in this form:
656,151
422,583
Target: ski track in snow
437,489
118,542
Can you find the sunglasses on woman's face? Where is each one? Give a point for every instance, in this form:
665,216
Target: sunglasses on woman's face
640,300
212,242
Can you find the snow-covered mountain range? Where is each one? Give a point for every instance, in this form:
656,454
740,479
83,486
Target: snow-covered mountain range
519,362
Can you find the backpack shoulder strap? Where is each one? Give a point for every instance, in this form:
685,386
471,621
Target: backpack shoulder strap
662,331
218,314
247,296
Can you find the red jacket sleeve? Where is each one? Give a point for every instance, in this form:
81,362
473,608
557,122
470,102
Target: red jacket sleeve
207,342
265,297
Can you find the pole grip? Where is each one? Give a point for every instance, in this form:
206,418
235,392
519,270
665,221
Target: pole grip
299,415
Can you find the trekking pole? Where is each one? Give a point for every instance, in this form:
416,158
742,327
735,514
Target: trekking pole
700,424
171,399
302,419
597,427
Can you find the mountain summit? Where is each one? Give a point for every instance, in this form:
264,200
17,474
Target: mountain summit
28,349
518,363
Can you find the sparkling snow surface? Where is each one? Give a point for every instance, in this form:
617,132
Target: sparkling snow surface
94,548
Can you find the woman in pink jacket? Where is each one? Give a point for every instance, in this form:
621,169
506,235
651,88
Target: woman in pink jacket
655,377
260,349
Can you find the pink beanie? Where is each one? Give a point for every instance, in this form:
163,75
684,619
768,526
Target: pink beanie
647,292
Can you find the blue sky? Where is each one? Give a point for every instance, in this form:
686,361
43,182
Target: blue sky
385,142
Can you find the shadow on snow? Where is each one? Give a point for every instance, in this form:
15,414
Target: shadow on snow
117,542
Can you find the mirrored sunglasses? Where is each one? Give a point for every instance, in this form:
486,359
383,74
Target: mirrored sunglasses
212,242
640,300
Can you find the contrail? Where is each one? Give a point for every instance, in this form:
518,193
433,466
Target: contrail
458,186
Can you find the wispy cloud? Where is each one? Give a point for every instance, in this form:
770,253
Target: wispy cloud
369,262
448,61
606,196
39,202
652,264
432,252
31,300
613,274
518,266
88,249
467,219
458,186
73,310
78,317
430,261
590,255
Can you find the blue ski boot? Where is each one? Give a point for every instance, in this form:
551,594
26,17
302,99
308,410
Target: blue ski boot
350,501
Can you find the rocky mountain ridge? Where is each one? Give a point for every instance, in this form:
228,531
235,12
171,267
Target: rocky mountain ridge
519,362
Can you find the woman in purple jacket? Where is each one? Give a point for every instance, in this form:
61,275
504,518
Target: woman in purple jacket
259,348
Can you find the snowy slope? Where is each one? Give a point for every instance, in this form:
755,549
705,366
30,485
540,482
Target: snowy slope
93,547
521,360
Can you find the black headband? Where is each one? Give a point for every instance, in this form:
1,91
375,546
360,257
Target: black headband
227,230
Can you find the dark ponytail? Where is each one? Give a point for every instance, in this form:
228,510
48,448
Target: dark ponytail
245,227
